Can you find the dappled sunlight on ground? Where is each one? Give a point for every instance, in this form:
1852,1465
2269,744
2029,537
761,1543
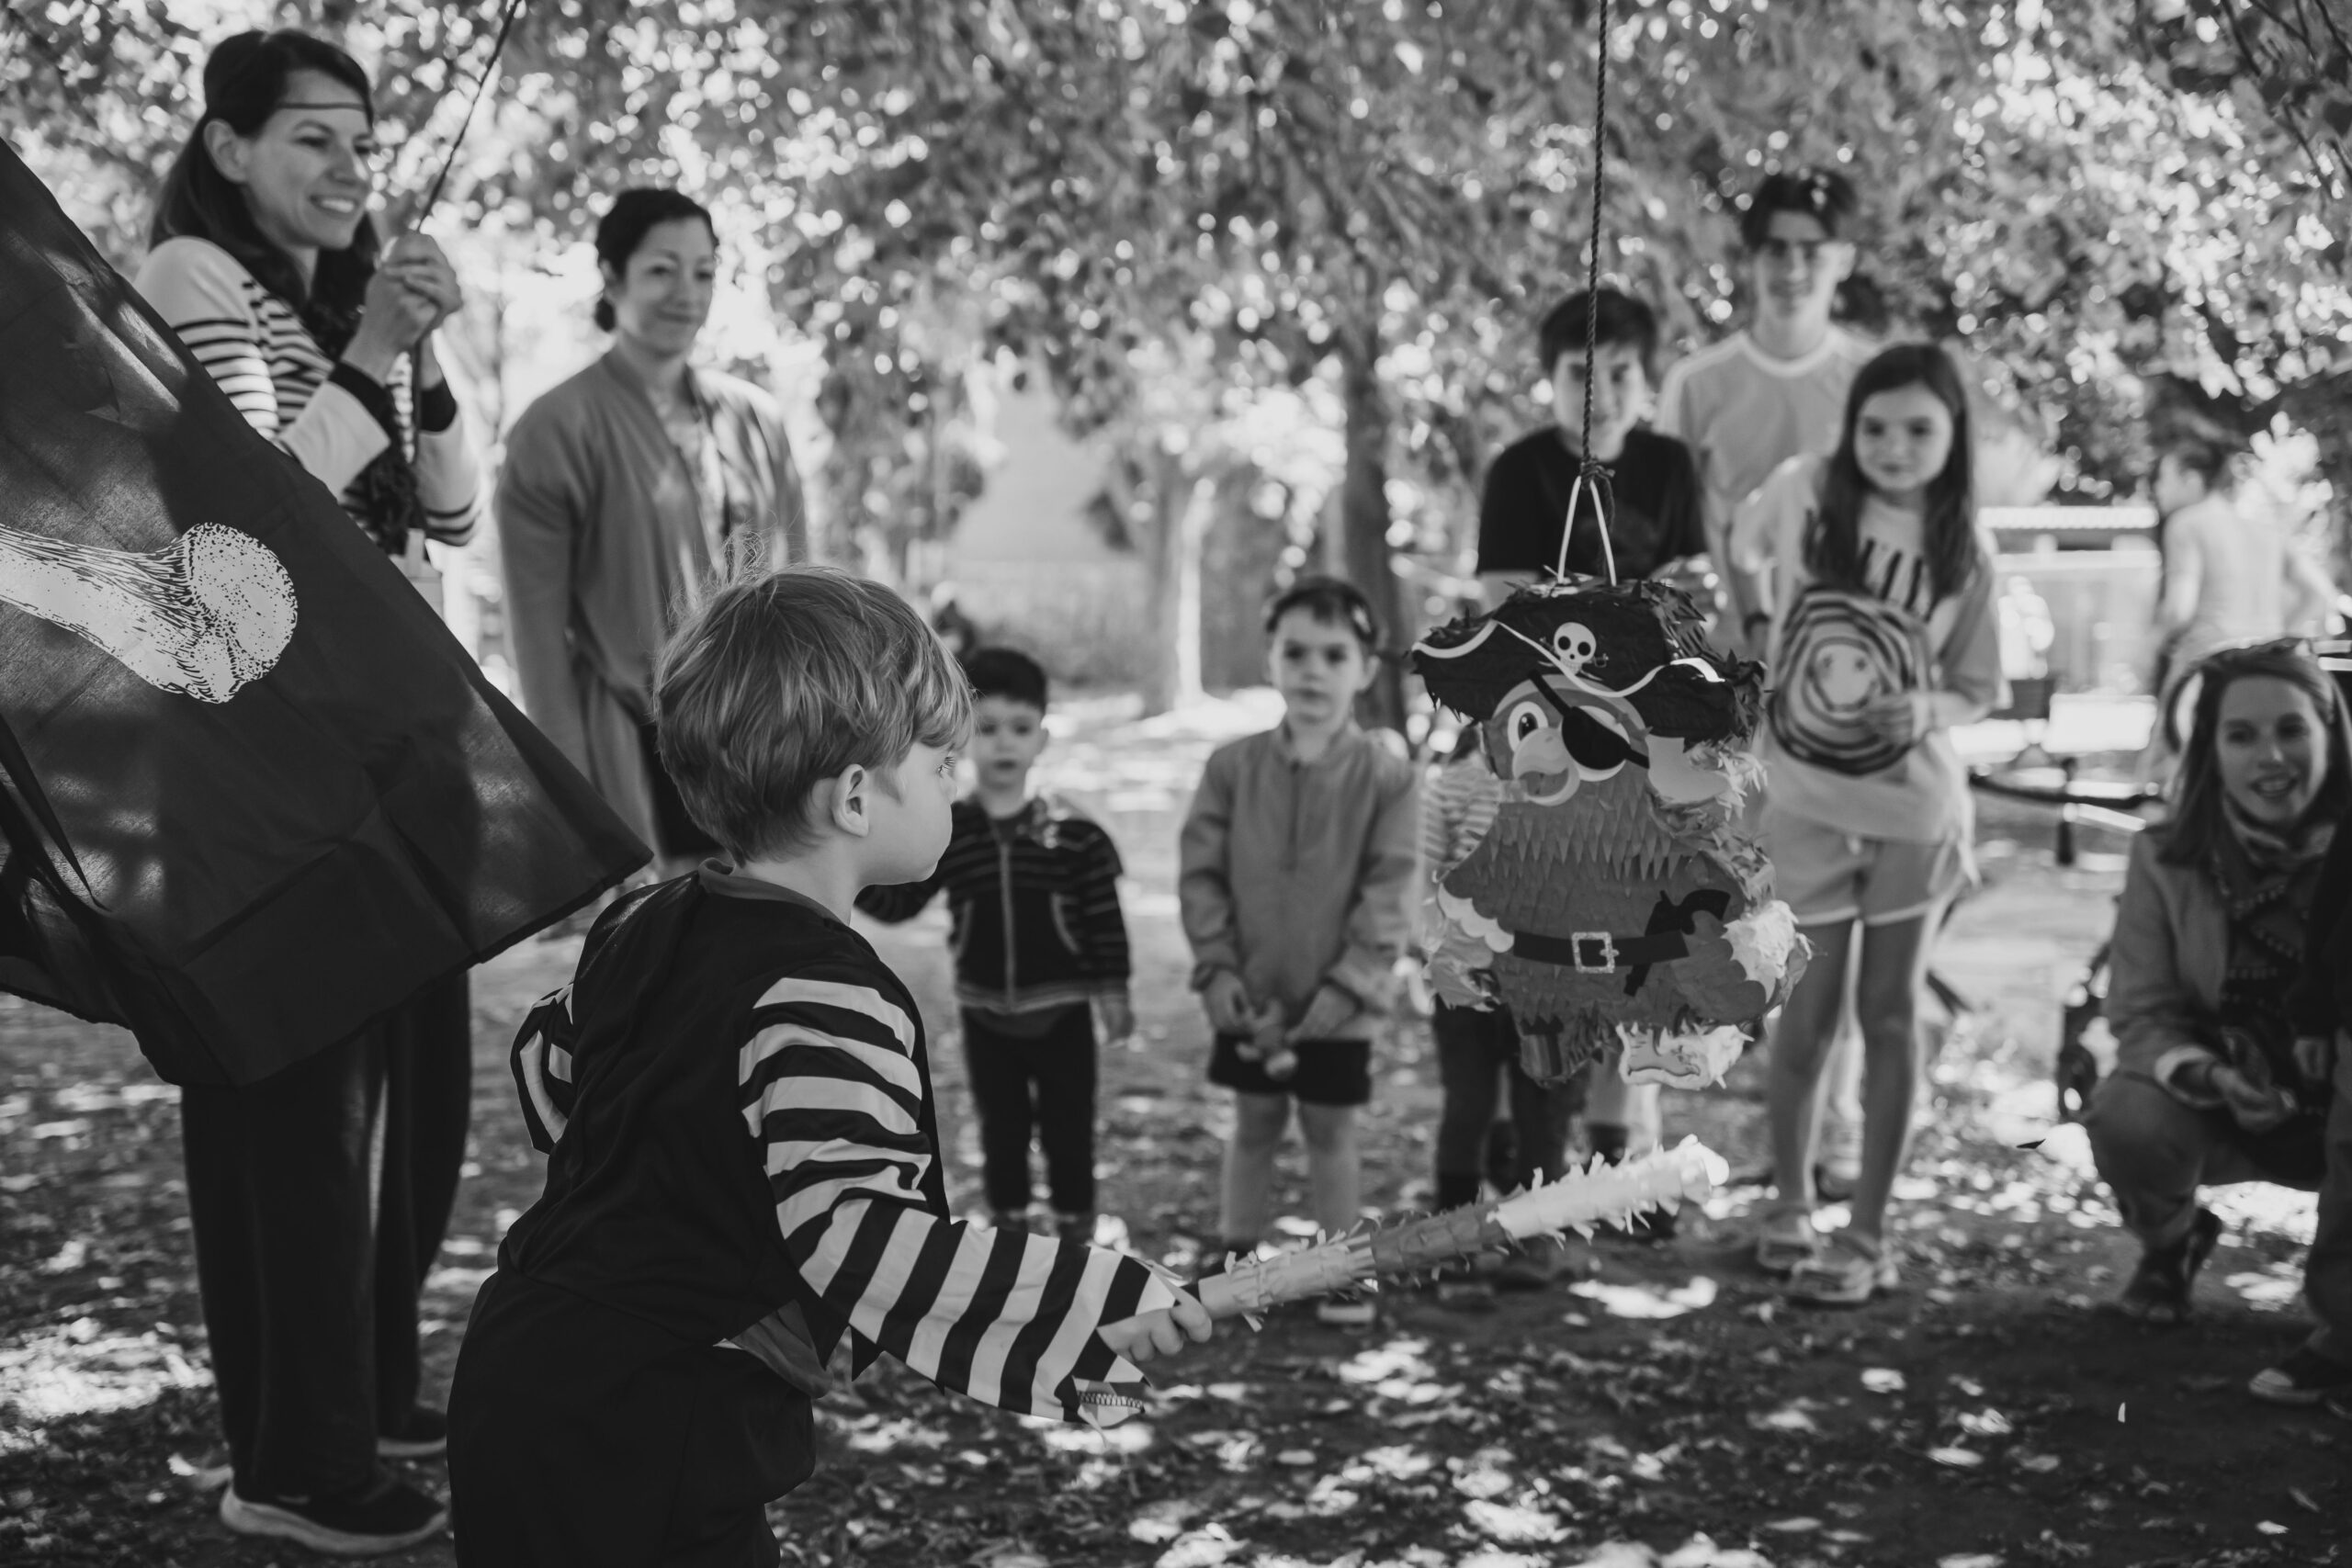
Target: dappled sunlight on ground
1674,1410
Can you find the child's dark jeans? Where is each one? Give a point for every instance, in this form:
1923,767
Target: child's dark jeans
1039,1085
1471,1048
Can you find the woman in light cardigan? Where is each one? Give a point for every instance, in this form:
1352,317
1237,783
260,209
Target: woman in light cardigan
626,491
2212,1085
318,1197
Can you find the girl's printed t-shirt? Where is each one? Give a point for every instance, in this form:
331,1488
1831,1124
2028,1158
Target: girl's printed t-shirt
1921,794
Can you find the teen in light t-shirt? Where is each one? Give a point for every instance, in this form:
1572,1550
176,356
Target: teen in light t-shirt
1776,388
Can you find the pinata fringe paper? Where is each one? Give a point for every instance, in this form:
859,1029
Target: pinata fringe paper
1580,1201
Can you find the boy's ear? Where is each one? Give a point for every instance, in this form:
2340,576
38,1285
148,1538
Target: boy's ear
851,806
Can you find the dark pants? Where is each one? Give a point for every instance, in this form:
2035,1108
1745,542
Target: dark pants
2154,1153
311,1255
1471,1048
1043,1086
582,1437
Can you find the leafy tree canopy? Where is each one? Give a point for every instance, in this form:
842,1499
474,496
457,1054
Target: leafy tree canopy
2086,199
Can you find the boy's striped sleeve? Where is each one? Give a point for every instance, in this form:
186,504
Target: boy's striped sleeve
831,1092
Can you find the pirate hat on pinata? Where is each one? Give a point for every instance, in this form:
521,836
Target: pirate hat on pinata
1641,643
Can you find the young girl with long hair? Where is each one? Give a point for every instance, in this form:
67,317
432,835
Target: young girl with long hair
1883,638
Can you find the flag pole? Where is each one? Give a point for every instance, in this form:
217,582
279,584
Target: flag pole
481,86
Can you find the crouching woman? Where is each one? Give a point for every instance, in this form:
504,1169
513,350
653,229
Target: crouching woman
2212,1088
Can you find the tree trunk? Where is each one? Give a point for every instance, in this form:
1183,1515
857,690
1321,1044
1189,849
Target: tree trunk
1180,508
1364,519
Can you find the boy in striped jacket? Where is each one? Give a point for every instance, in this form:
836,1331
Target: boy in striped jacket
1032,888
743,1173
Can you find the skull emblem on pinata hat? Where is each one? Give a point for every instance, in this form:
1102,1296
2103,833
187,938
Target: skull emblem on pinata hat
1612,906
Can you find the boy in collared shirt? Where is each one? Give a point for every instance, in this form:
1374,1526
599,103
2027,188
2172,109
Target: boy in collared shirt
1296,883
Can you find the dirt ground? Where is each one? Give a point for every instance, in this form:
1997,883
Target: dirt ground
1671,1410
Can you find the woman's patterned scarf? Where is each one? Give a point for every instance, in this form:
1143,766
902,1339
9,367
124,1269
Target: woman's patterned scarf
2266,880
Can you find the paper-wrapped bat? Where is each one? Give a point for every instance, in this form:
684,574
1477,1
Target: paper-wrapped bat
1578,1201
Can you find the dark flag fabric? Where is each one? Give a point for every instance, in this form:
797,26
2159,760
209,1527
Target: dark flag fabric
252,792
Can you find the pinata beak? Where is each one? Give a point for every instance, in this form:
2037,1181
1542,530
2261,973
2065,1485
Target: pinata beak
1543,767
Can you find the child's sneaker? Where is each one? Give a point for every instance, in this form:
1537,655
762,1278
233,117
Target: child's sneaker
387,1514
1839,1169
1786,1239
2304,1378
422,1433
1347,1312
1009,1219
1466,1286
1847,1270
1536,1266
1074,1228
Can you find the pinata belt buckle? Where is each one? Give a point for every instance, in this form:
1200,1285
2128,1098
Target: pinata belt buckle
1592,952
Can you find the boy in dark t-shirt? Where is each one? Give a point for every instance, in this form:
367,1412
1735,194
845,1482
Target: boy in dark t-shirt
1656,518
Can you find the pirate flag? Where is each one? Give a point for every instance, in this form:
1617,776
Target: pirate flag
251,793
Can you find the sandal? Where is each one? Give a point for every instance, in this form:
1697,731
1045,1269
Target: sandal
1847,1270
2159,1288
2304,1378
1786,1239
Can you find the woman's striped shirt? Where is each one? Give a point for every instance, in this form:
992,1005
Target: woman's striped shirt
258,352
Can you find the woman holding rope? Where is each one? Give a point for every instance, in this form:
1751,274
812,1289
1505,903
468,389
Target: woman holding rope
319,1196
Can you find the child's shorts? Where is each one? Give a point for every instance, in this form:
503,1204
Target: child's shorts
1330,1072
1828,877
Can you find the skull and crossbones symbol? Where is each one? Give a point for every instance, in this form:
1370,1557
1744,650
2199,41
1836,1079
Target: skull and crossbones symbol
1575,646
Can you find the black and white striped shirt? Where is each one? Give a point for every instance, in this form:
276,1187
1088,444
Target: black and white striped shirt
737,1105
258,352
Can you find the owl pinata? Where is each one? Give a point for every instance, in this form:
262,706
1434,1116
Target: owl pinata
1613,906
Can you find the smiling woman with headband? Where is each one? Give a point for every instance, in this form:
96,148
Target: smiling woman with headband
318,1196
266,262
